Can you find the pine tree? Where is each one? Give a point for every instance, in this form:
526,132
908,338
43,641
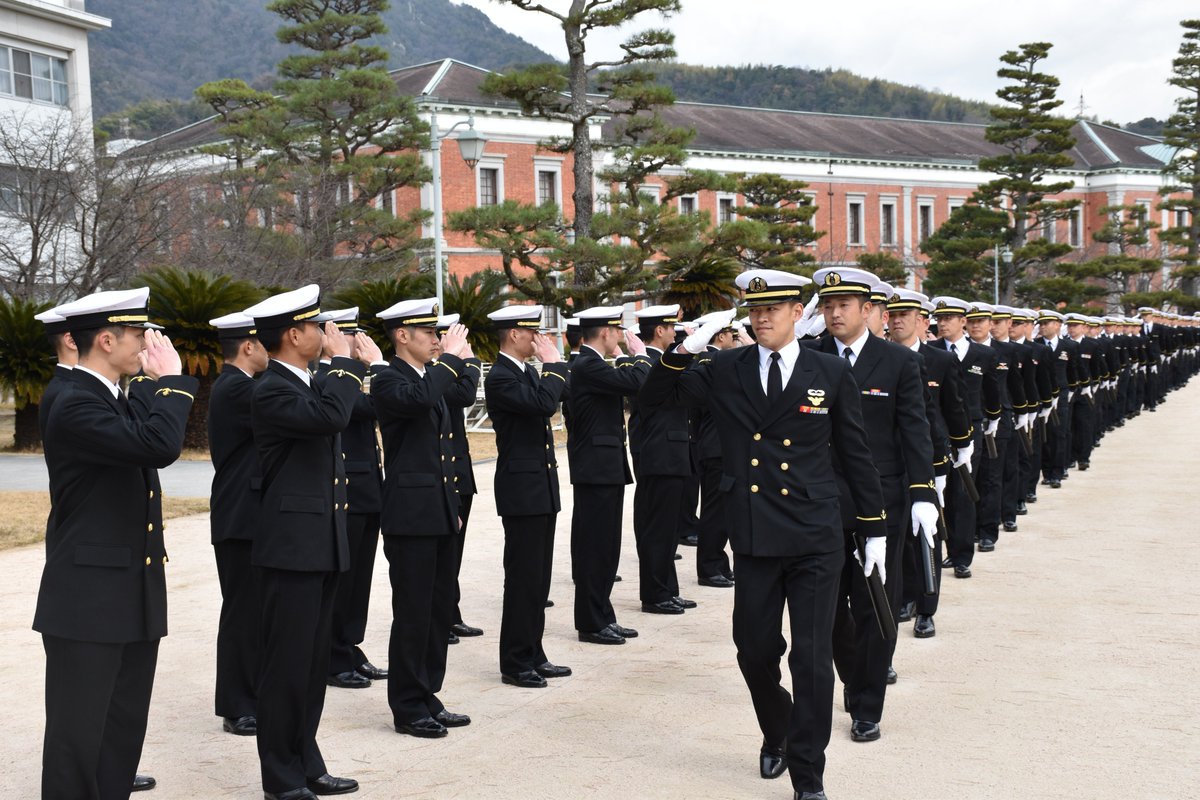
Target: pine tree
1182,173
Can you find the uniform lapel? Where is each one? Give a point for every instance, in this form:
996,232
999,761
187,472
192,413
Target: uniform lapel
799,382
748,377
868,359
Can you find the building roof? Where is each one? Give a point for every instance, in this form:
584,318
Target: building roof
773,132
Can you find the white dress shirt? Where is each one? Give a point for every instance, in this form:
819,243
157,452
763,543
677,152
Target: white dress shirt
520,364
854,347
302,374
112,387
787,362
960,347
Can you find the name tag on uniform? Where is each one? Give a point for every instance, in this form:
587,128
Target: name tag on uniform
1086,355
875,393
813,410
934,384
1002,365
975,370
1064,356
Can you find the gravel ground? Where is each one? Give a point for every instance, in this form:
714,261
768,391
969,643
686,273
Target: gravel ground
1065,668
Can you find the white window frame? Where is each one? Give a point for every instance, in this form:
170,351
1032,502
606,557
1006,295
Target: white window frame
7,68
489,162
732,198
931,204
859,200
1075,228
953,204
695,200
886,201
548,164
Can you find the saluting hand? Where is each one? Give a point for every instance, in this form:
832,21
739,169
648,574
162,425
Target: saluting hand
545,349
454,340
634,345
159,357
335,341
366,350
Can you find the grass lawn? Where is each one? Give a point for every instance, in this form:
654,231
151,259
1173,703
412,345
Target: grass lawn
23,515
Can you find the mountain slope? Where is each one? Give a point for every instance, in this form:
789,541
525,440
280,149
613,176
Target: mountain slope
149,54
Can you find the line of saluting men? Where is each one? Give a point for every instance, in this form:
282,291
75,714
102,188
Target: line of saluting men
826,462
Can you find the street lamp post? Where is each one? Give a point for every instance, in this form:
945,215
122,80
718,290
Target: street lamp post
999,252
470,145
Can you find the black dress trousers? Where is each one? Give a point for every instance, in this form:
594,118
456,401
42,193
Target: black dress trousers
460,543
297,620
711,559
237,631
808,585
353,599
595,552
657,501
961,512
95,716
421,569
528,558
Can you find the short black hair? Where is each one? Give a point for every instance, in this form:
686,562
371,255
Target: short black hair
646,331
272,338
574,337
231,347
85,339
591,334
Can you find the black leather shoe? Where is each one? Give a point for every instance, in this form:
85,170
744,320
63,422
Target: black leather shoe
463,629
691,540
665,607
924,628
1055,483
716,582
987,545
452,720
947,563
810,796
678,557
327,784
348,680
1083,465
683,603
549,670
1010,527
144,783
617,579
369,670
526,680
423,728
602,636
1031,498
862,731
892,677
291,794
907,611
549,604
962,572
240,726
453,639
1022,509
621,630
771,761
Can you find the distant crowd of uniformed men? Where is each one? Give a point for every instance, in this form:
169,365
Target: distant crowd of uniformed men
832,448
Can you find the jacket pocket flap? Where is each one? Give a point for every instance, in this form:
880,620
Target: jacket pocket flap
821,490
99,555
405,479
302,504
677,436
606,441
525,465
726,483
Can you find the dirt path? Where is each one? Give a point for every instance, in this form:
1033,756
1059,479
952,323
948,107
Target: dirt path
1067,667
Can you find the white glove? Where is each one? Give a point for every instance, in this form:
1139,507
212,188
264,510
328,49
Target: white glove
1022,421
1045,412
812,323
939,486
1054,402
1029,420
876,555
698,341
924,520
990,427
963,455
1153,370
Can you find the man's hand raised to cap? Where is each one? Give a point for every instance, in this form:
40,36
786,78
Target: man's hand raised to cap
159,357
454,340
335,343
545,349
634,345
365,349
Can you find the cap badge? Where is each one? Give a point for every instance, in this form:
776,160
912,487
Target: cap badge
833,279
757,285
941,304
895,298
435,309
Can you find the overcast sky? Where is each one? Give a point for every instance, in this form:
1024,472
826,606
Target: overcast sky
1116,53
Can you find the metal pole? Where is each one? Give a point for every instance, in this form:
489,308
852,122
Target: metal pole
435,144
996,274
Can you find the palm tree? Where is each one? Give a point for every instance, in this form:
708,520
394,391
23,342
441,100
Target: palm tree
26,364
708,285
371,297
183,301
473,298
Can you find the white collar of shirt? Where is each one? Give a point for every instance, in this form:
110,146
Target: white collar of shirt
64,366
589,347
787,361
1019,341
916,345
520,364
302,374
854,347
989,342
1052,341
112,387
1077,339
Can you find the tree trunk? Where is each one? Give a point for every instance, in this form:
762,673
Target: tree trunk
195,436
581,140
26,435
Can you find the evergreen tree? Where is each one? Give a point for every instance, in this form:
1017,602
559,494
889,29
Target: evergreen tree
961,253
333,145
1182,174
785,211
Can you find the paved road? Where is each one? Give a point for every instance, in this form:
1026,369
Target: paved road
1065,668
181,479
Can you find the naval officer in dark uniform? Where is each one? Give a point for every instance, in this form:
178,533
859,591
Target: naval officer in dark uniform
300,547
64,350
102,604
233,518
783,413
520,403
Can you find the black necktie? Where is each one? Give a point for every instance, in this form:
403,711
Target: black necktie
848,354
774,379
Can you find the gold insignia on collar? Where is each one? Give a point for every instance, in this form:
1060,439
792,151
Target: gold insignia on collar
757,285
